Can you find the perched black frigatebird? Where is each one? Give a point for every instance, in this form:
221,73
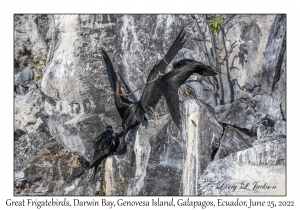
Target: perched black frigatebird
113,143
104,138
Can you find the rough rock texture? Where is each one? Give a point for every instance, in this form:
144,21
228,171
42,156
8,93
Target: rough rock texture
186,153
249,113
39,166
279,92
27,110
233,140
63,100
274,56
247,36
32,34
238,173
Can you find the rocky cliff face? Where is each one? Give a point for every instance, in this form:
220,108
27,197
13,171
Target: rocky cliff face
63,100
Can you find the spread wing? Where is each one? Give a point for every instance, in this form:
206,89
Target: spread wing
122,102
132,96
110,71
170,92
152,92
98,141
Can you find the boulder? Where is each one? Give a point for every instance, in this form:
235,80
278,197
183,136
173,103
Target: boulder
260,170
233,140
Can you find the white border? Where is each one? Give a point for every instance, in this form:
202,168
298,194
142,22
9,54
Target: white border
150,7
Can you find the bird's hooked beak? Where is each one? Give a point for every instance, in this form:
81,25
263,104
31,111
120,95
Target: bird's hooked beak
207,71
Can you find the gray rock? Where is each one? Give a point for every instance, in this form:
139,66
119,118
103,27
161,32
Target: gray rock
186,153
19,179
249,113
25,76
245,62
239,173
272,108
273,57
44,167
266,132
279,92
27,110
233,140
18,133
29,39
165,158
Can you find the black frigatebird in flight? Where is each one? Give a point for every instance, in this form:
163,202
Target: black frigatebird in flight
158,84
133,113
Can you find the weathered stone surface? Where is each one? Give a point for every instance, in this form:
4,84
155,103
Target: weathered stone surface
42,165
266,132
27,109
25,76
18,133
264,164
248,113
165,159
244,64
185,153
233,140
279,92
271,107
30,39
274,56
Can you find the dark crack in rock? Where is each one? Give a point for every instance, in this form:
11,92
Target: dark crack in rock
273,56
233,140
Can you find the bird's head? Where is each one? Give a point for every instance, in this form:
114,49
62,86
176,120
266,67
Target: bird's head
109,128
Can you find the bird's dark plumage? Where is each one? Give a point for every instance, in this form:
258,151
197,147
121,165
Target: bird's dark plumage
122,103
158,84
133,113
152,92
104,138
113,146
171,81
